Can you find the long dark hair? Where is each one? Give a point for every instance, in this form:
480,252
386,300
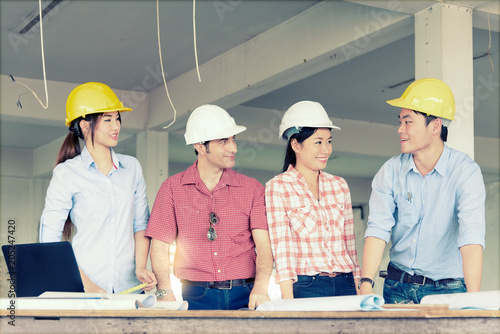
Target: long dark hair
290,157
70,148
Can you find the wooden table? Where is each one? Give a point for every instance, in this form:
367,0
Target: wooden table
431,320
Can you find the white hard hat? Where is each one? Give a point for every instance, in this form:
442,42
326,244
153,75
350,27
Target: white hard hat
209,122
304,114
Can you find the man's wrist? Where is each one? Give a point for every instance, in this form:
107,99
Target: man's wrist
160,293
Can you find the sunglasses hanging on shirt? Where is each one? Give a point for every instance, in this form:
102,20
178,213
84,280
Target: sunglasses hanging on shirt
211,234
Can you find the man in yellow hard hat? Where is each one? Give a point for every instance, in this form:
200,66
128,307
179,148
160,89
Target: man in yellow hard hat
217,218
429,201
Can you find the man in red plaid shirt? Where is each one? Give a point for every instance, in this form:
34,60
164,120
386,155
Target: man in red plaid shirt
217,218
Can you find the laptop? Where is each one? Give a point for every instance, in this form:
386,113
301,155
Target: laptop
40,267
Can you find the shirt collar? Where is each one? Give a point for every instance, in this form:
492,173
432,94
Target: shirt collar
192,176
440,167
300,177
443,161
88,161
408,163
294,173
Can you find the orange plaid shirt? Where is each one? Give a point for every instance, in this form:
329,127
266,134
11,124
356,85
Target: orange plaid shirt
310,236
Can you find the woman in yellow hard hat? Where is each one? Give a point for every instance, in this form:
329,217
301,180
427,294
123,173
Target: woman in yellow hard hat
101,193
309,212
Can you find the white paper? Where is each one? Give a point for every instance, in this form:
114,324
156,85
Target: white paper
341,303
484,300
90,301
175,306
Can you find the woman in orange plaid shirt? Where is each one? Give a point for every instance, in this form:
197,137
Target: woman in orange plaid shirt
309,212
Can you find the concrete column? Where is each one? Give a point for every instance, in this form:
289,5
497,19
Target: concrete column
443,50
152,153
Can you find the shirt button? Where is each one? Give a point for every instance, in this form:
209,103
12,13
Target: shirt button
215,253
218,271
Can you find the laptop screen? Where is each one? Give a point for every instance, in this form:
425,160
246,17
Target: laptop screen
40,267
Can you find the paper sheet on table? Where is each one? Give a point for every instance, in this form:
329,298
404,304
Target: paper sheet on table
90,301
342,303
483,300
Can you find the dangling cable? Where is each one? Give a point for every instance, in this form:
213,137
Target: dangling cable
489,45
194,39
43,67
161,63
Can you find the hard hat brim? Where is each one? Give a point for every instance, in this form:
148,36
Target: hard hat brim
227,133
402,103
317,126
121,109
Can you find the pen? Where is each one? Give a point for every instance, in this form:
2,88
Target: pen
135,288
409,197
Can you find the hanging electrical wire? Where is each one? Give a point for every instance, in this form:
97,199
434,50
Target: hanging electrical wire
489,45
161,63
43,67
194,40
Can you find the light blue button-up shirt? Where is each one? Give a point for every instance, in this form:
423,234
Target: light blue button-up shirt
106,210
430,217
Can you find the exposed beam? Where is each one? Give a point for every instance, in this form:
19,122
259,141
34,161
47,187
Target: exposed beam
321,37
480,16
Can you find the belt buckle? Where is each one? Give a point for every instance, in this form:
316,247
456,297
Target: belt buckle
230,286
423,282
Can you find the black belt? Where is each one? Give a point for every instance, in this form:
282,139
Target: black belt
224,285
395,274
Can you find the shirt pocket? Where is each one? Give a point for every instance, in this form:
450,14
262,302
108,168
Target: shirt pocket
335,214
190,221
407,215
303,221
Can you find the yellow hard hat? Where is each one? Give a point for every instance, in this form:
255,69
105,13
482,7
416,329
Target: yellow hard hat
429,96
91,98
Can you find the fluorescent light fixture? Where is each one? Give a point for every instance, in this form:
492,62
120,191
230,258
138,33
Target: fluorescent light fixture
32,21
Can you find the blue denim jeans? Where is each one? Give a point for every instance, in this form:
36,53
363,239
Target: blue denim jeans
397,292
203,298
324,286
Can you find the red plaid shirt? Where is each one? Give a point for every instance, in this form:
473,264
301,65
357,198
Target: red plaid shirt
182,210
307,236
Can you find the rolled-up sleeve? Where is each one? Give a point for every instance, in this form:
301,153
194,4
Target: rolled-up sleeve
258,218
382,206
471,209
141,212
350,236
162,223
58,204
279,232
